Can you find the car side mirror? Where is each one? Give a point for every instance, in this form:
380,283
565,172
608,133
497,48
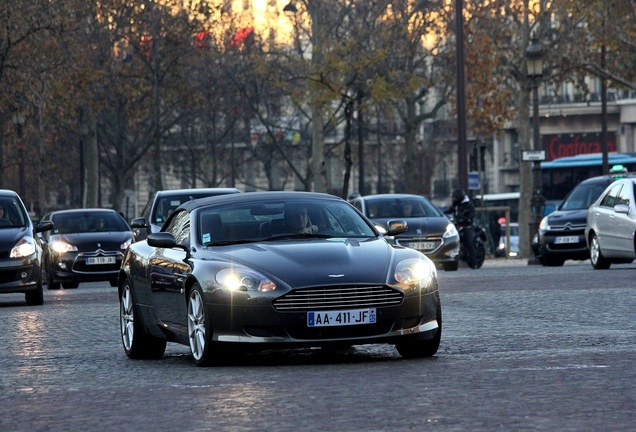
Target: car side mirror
395,227
621,208
44,226
139,222
166,241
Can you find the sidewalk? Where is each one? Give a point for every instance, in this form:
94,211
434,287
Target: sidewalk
521,262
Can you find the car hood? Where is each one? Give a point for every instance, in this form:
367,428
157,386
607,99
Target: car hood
324,262
434,226
89,241
560,217
9,237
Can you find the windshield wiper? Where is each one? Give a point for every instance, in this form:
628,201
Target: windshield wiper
229,242
298,236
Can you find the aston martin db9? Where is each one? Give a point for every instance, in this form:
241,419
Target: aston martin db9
273,270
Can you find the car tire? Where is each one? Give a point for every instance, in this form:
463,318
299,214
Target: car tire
203,349
138,344
35,298
599,262
50,281
418,348
70,285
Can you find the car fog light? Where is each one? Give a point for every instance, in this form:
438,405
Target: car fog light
62,265
24,275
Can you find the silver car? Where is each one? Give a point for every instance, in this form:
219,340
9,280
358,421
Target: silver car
611,225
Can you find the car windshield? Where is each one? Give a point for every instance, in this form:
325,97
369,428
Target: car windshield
165,206
279,221
582,196
81,222
12,214
401,208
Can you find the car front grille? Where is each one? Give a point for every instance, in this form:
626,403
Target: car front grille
567,228
338,297
80,265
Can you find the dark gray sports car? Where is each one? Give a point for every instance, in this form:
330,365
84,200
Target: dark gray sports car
272,270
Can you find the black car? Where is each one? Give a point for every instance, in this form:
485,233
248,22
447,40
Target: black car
429,230
561,234
164,202
86,245
20,250
271,270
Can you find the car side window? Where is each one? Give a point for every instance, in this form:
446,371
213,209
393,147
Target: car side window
180,227
623,197
610,199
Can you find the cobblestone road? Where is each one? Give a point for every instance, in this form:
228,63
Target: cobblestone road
524,348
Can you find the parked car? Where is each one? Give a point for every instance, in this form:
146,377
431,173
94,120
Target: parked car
20,250
611,225
85,245
275,269
429,230
561,234
513,250
164,202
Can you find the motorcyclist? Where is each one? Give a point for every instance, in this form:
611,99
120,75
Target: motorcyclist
463,211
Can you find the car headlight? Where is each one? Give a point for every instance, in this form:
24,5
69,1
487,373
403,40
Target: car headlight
125,244
242,279
24,248
544,225
451,231
414,273
60,246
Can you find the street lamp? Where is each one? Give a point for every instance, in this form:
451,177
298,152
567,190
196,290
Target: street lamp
534,72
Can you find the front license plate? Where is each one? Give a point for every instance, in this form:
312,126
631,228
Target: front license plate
100,260
422,245
566,240
341,318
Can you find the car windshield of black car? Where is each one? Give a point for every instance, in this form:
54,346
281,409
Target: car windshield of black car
401,208
241,223
583,196
11,213
79,222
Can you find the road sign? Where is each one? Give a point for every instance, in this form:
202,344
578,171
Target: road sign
473,181
533,155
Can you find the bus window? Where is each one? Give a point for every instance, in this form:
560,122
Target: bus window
560,176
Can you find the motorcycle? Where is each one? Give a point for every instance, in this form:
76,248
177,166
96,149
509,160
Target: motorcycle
480,240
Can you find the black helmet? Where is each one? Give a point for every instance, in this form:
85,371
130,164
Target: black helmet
458,196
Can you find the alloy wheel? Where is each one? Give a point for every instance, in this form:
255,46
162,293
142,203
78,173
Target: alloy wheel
196,325
127,318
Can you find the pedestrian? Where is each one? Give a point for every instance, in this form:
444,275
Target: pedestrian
463,211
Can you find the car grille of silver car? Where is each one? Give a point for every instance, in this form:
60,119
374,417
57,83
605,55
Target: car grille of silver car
338,297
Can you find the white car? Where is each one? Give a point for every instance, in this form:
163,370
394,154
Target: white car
611,225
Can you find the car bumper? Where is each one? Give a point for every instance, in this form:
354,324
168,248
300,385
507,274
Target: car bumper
416,317
19,275
74,267
548,247
440,251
